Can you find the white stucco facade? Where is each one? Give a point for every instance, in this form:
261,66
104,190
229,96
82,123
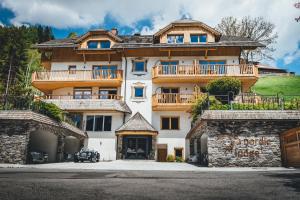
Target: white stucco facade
106,141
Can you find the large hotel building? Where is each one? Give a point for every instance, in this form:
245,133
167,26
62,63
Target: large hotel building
133,94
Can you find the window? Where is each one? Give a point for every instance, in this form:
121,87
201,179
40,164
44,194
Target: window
89,123
169,67
104,71
105,44
178,152
98,123
139,66
110,93
201,38
166,90
178,39
72,69
212,66
92,44
170,123
139,92
82,93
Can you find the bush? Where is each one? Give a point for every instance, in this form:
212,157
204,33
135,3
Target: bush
199,106
170,158
223,86
179,159
49,109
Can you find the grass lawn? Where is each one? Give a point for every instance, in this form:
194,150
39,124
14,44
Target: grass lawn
271,85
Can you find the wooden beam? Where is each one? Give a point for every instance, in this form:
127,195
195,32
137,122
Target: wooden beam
206,54
186,49
84,60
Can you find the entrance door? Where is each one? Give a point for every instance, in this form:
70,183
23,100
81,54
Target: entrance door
136,147
291,148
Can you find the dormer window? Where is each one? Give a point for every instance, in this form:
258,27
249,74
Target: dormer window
175,39
198,38
105,44
92,44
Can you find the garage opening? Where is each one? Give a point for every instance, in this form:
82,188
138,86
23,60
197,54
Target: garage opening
43,142
290,141
198,148
71,146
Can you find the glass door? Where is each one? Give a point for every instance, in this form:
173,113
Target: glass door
169,67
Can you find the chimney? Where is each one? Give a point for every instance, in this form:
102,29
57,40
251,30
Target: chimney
114,31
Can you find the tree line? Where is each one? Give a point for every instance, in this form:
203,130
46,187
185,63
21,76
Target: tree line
18,58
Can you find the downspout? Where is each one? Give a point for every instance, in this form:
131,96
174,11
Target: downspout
125,85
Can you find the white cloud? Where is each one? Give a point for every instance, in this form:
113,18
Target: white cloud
1,24
290,57
78,13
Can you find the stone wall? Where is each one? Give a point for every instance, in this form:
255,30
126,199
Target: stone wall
15,130
245,143
13,141
244,138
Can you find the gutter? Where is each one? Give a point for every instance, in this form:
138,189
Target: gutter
125,85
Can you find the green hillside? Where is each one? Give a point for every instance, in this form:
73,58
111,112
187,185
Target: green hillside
271,85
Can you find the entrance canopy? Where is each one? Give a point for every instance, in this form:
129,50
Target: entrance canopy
137,125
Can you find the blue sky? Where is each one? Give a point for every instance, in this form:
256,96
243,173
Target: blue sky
146,17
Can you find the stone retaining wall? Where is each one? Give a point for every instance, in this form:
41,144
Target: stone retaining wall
244,144
15,129
244,138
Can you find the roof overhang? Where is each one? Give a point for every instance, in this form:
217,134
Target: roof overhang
193,24
152,133
99,32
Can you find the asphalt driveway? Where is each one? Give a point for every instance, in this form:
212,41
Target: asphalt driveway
94,184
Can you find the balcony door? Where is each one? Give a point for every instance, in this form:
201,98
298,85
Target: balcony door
108,93
212,66
169,95
82,93
105,72
169,67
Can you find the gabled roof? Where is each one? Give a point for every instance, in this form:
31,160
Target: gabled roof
187,22
137,123
99,32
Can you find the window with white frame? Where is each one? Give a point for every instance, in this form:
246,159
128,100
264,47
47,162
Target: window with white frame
175,39
198,38
138,91
98,123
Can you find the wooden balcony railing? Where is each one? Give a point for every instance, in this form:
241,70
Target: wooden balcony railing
82,97
204,70
77,75
173,99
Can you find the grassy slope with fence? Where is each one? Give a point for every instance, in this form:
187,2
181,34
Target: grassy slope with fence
271,85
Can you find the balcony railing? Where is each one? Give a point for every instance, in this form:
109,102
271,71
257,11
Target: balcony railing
82,97
204,70
87,102
77,75
176,101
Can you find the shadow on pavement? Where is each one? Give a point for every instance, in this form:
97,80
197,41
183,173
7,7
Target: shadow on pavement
291,180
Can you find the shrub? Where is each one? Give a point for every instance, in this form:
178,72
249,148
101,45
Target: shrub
170,158
49,109
179,159
199,106
223,86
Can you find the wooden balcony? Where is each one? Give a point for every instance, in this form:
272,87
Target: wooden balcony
173,101
202,73
50,80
